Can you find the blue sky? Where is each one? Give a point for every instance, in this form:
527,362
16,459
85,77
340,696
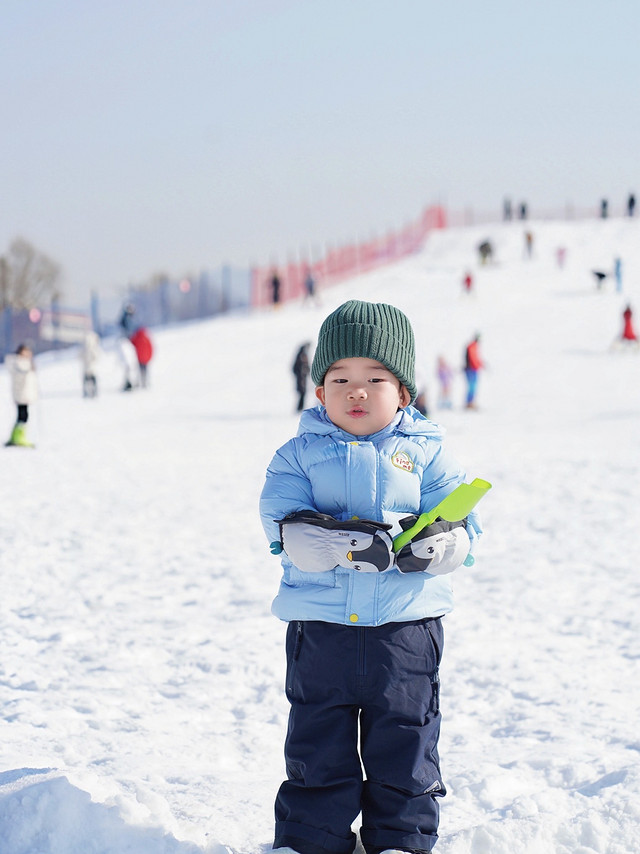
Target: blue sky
144,136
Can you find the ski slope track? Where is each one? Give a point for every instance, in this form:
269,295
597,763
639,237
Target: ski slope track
141,678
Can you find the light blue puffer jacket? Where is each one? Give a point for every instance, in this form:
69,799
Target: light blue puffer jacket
402,469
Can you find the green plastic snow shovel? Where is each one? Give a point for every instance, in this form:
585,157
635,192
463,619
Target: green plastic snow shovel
453,508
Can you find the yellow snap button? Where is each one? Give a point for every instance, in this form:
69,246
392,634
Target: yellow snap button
354,618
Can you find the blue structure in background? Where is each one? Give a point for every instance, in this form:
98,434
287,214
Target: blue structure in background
170,301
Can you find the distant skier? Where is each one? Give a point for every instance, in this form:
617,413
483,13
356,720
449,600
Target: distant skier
485,250
125,350
24,388
528,244
275,289
617,273
127,319
467,283
631,204
628,339
89,355
445,377
301,372
473,364
310,294
604,209
599,276
144,352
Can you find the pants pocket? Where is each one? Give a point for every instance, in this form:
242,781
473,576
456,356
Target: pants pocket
435,692
295,635
435,633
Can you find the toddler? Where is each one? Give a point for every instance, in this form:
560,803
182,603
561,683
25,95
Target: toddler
364,637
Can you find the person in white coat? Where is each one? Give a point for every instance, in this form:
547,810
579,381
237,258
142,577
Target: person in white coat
24,388
89,355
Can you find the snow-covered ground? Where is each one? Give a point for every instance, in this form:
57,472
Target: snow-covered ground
141,697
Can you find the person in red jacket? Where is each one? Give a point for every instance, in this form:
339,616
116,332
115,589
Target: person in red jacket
144,351
628,332
472,366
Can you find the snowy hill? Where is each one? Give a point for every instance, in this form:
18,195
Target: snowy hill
142,707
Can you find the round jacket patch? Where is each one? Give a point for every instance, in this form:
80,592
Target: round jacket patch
402,460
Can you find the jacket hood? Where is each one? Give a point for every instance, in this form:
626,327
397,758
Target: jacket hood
408,421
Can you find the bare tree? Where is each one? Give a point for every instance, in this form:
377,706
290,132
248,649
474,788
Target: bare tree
27,277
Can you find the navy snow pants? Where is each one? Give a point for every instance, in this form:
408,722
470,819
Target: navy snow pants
361,693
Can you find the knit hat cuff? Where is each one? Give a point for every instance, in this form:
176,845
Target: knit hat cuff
370,330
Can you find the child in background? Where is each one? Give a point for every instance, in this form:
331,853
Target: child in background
89,355
24,388
473,364
628,337
445,378
365,635
144,351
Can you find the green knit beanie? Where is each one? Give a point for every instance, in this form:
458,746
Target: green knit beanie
372,330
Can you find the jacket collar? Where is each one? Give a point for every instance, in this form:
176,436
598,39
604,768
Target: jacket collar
408,422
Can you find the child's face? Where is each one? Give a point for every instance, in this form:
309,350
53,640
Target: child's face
361,396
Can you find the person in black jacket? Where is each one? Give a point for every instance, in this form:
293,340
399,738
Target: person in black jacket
631,204
301,373
275,289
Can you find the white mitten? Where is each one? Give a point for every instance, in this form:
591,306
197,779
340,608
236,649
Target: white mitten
315,542
438,549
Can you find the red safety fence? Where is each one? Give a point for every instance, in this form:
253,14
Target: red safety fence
344,262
